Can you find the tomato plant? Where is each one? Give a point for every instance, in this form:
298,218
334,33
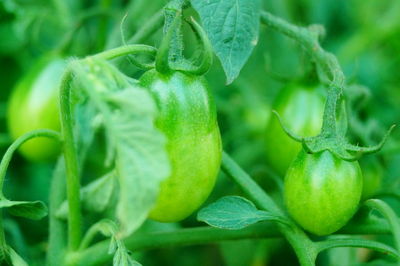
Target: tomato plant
302,119
187,117
127,95
322,192
34,105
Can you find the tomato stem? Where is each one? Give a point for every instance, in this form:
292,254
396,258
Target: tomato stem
162,59
303,246
390,216
57,243
3,170
126,50
251,188
16,144
97,254
359,243
71,163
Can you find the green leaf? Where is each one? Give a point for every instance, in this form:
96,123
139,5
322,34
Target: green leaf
85,126
233,212
95,196
108,228
141,163
34,210
133,142
16,260
232,27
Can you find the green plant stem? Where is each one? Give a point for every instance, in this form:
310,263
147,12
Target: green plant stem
16,144
390,216
97,254
71,163
359,243
57,237
69,147
3,243
302,245
126,50
308,38
251,188
3,170
329,68
162,59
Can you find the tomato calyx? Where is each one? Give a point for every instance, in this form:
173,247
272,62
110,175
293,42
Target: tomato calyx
198,65
333,133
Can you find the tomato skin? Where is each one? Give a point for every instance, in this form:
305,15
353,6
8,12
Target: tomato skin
187,116
322,192
34,105
301,109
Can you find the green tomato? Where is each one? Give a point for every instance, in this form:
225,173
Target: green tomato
322,192
187,117
372,177
301,109
34,105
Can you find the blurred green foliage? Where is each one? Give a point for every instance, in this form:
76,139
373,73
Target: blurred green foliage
364,34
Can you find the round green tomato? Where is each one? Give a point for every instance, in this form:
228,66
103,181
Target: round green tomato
322,192
34,105
301,109
372,177
187,116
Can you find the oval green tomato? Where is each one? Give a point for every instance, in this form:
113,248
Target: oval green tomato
301,109
187,116
322,192
34,105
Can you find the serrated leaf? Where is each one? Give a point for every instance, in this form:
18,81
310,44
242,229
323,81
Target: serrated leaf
141,163
107,228
85,128
133,142
34,210
95,196
232,212
232,27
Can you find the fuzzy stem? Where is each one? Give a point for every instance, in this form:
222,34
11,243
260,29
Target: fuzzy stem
71,163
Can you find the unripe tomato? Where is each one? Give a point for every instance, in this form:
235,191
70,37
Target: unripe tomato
34,105
301,109
187,116
322,192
